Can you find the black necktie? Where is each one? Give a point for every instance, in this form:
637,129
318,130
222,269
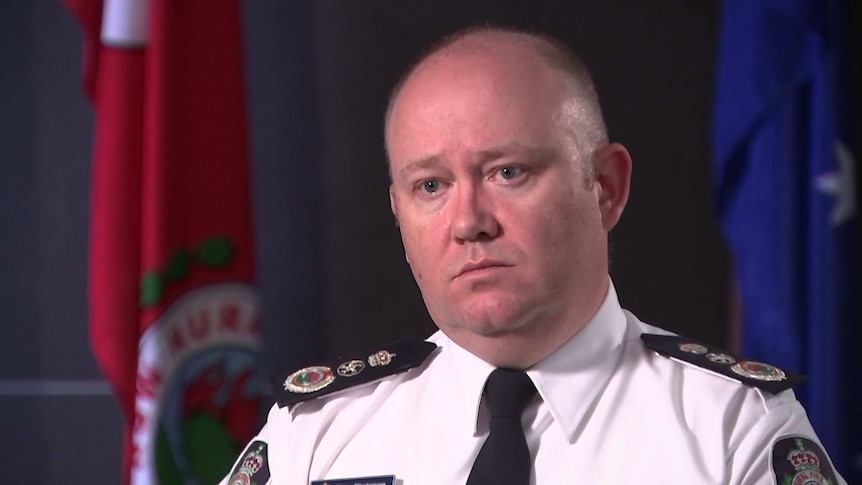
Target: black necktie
505,458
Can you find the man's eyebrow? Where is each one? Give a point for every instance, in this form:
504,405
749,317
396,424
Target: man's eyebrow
419,164
483,156
516,149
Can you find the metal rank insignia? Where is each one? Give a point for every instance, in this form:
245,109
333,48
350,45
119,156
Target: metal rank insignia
755,374
720,358
381,357
309,379
758,371
693,348
350,368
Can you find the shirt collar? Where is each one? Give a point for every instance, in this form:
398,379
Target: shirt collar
468,374
568,380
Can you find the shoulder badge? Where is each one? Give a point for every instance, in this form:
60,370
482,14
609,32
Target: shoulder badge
348,371
252,468
798,460
755,374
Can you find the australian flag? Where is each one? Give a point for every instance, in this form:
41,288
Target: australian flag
785,194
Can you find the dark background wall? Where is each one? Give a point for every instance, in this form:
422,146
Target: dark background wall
330,264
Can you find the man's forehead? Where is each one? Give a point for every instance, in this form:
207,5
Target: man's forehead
484,73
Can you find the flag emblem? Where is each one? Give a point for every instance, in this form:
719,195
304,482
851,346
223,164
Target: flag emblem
199,386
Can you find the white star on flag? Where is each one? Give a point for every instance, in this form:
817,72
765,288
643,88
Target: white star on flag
841,184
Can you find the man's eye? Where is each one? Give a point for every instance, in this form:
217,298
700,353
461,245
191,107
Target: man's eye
431,186
508,173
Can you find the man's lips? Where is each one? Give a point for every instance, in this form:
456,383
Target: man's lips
474,266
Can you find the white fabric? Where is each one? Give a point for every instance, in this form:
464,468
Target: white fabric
609,411
124,22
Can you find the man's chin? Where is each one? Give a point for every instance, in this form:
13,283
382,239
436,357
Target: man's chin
498,326
490,315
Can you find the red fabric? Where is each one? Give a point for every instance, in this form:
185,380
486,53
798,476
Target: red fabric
170,169
115,224
89,14
195,177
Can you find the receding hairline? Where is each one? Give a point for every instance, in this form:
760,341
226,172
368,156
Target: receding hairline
477,40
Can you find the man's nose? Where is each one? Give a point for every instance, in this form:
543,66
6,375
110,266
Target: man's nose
472,215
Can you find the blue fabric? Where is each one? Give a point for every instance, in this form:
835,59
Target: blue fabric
781,129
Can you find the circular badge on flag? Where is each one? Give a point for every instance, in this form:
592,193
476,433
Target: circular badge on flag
758,371
309,379
200,388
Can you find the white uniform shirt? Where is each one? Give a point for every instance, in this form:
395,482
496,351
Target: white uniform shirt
608,411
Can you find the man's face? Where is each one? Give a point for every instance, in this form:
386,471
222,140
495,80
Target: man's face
500,226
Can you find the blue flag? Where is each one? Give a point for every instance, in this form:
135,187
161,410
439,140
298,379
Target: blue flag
785,195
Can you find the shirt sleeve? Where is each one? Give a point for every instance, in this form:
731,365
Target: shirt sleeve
252,466
779,446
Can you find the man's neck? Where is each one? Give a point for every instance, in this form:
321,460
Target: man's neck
529,344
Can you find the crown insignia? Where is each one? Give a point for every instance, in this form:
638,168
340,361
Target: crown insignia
806,463
803,459
252,462
252,468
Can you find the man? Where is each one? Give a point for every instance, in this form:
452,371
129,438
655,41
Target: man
505,187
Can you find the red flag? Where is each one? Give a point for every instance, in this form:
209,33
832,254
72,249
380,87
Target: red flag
173,314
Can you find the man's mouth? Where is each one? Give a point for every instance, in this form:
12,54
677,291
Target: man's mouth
476,267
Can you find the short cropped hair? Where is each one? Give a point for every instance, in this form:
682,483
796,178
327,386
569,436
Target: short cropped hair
588,126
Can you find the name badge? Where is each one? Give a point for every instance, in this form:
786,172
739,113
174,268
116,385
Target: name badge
382,480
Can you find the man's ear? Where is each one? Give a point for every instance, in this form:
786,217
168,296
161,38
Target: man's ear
613,169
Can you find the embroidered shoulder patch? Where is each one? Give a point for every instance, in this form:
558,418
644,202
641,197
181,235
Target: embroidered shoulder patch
755,374
348,371
252,468
801,461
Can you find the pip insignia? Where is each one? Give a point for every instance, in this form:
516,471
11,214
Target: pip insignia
720,358
320,380
350,368
755,374
693,348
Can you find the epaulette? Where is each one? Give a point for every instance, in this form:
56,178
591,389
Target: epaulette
755,374
347,371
